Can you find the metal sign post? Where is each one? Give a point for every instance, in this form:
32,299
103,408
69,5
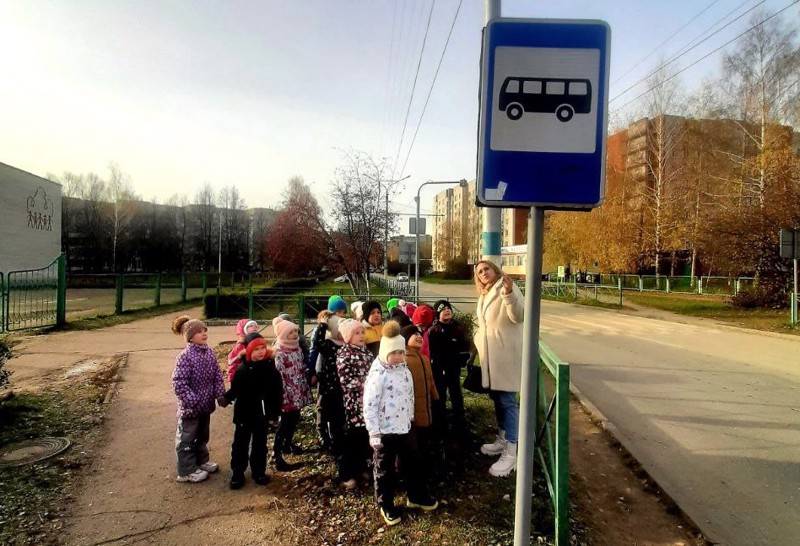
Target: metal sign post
790,248
541,144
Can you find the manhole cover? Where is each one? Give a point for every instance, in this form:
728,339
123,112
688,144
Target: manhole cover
32,451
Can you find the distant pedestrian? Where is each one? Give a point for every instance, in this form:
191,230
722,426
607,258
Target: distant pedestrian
257,394
198,386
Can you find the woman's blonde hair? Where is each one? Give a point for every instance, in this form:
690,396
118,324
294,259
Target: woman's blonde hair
478,284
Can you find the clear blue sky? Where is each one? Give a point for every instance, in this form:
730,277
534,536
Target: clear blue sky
250,93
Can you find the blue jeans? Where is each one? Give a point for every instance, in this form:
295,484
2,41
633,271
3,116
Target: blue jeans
506,409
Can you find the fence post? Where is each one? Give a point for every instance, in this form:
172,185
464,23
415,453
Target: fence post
561,474
184,285
641,284
61,294
216,303
619,287
736,287
250,306
157,298
119,290
700,285
204,281
301,313
668,286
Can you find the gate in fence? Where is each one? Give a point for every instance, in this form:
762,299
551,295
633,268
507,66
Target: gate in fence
34,298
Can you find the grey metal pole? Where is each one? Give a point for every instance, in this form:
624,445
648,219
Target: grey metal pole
794,303
386,239
416,250
530,378
490,238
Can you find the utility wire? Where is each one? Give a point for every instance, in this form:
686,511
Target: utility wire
430,90
682,53
413,88
671,36
705,56
389,72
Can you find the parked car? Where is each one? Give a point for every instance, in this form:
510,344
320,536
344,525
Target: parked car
402,277
342,278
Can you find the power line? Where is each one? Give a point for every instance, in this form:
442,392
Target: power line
705,56
389,72
682,53
671,36
413,88
430,91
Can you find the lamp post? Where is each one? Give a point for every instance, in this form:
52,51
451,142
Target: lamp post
386,227
462,183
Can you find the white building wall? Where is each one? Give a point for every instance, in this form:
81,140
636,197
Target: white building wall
30,220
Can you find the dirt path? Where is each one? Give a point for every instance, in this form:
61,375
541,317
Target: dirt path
128,494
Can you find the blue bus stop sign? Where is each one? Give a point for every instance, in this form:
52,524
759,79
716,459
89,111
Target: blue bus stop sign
543,113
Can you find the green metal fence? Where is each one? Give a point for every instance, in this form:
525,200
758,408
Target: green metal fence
552,440
34,298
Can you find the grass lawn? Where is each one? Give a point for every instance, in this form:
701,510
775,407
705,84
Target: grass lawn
773,320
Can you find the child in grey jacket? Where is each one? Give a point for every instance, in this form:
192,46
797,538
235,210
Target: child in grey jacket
388,412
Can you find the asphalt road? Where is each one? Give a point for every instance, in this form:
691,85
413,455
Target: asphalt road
711,412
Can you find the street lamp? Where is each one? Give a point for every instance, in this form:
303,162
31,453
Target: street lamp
386,227
463,184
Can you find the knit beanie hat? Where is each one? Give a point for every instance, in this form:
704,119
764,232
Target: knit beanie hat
423,316
391,341
188,326
255,343
392,303
336,304
369,307
408,331
282,329
440,306
348,327
240,331
356,309
250,324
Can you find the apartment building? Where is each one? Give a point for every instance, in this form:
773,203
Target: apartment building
457,226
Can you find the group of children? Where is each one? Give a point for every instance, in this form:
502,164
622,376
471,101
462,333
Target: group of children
381,391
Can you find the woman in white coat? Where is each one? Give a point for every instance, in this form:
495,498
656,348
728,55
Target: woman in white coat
499,343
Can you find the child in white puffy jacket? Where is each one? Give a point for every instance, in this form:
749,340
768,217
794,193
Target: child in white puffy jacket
388,412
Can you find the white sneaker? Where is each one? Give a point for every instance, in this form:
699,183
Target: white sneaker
209,467
196,476
496,447
506,463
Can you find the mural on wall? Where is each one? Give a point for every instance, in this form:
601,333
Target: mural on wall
40,210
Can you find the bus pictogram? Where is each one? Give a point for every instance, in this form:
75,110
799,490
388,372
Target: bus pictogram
563,97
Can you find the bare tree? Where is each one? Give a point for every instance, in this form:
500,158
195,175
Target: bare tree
206,227
123,207
361,187
664,164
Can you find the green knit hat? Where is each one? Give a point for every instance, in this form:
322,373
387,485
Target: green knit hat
392,303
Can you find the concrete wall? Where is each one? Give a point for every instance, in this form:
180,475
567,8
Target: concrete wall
30,220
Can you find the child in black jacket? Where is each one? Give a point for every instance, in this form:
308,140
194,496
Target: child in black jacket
449,350
257,390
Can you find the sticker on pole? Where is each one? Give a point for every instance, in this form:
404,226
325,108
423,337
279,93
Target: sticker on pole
543,113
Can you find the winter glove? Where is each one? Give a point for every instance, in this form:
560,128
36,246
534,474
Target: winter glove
223,402
375,441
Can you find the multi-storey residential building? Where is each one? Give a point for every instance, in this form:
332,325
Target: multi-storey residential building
458,224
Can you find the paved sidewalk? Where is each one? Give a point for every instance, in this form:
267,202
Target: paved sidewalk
130,494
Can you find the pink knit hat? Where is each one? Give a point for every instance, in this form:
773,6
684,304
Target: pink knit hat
409,309
240,327
348,327
283,328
